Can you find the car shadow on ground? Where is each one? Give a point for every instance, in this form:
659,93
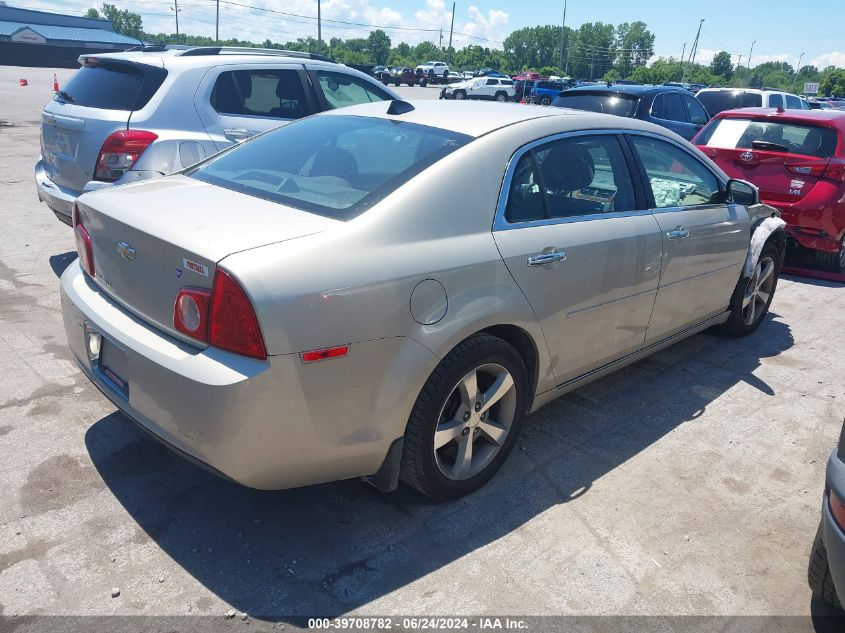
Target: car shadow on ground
331,548
60,262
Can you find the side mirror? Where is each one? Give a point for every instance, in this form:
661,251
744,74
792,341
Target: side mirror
743,192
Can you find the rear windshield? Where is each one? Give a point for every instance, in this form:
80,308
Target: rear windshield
720,100
336,166
787,138
607,103
112,86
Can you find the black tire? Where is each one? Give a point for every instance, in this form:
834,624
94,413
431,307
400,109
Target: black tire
398,83
736,324
423,83
832,261
545,101
459,95
420,469
501,97
818,573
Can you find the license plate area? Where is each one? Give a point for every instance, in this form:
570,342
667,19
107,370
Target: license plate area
109,362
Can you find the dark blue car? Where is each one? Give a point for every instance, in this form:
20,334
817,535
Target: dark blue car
668,106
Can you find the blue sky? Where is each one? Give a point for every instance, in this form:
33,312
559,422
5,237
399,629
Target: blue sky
782,28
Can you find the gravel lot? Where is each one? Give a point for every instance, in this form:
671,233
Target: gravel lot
689,483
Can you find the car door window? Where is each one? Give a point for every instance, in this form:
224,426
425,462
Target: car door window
341,90
673,108
576,176
793,103
268,93
492,82
677,178
775,101
696,114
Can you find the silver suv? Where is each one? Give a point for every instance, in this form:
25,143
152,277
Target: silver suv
143,113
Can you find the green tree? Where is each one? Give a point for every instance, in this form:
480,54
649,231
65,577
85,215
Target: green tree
92,13
634,47
722,66
123,21
426,52
378,45
833,83
593,50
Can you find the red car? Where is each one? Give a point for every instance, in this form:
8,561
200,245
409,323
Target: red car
797,160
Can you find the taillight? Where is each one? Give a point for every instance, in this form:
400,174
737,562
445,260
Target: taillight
233,325
324,354
83,243
833,170
222,318
120,151
190,312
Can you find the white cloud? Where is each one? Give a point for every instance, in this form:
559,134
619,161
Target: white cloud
829,59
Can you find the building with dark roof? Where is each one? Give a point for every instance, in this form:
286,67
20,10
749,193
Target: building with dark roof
38,38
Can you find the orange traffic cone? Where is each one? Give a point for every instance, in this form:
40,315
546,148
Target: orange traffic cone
23,82
55,83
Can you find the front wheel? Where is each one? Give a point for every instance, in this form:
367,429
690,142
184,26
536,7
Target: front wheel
753,295
460,95
818,573
501,97
545,101
466,419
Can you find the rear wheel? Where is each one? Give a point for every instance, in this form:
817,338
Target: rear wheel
818,573
460,95
545,101
753,295
466,418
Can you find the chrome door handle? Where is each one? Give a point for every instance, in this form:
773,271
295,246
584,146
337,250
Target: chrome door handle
237,134
544,259
678,234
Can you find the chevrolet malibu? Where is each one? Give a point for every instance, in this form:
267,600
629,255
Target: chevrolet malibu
308,306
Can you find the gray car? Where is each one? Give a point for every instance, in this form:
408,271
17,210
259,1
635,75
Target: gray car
140,114
308,306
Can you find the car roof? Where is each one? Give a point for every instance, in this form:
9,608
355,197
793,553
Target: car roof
629,89
477,118
202,56
832,117
755,91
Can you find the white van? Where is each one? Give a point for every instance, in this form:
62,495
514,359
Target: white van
716,100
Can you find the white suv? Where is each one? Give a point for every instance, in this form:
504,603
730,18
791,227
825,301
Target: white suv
438,69
144,113
489,88
716,100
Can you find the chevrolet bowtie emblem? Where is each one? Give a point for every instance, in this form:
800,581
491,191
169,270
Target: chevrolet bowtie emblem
125,251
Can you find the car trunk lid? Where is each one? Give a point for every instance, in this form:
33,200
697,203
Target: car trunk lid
98,100
154,238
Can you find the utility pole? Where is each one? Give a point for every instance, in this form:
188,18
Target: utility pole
592,61
319,24
562,36
440,44
692,52
451,30
798,71
749,54
176,10
217,24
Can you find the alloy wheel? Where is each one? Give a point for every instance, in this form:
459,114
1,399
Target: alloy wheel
759,290
475,421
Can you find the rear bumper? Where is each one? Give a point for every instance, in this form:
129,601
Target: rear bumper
59,199
808,237
264,424
834,538
815,224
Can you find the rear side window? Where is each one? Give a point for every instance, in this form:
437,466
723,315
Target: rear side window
793,103
775,101
112,86
336,166
789,138
260,92
343,90
719,100
695,113
669,107
571,177
677,179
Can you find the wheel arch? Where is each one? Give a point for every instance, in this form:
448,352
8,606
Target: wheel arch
525,346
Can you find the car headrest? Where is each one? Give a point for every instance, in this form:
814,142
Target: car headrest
334,161
568,167
244,80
